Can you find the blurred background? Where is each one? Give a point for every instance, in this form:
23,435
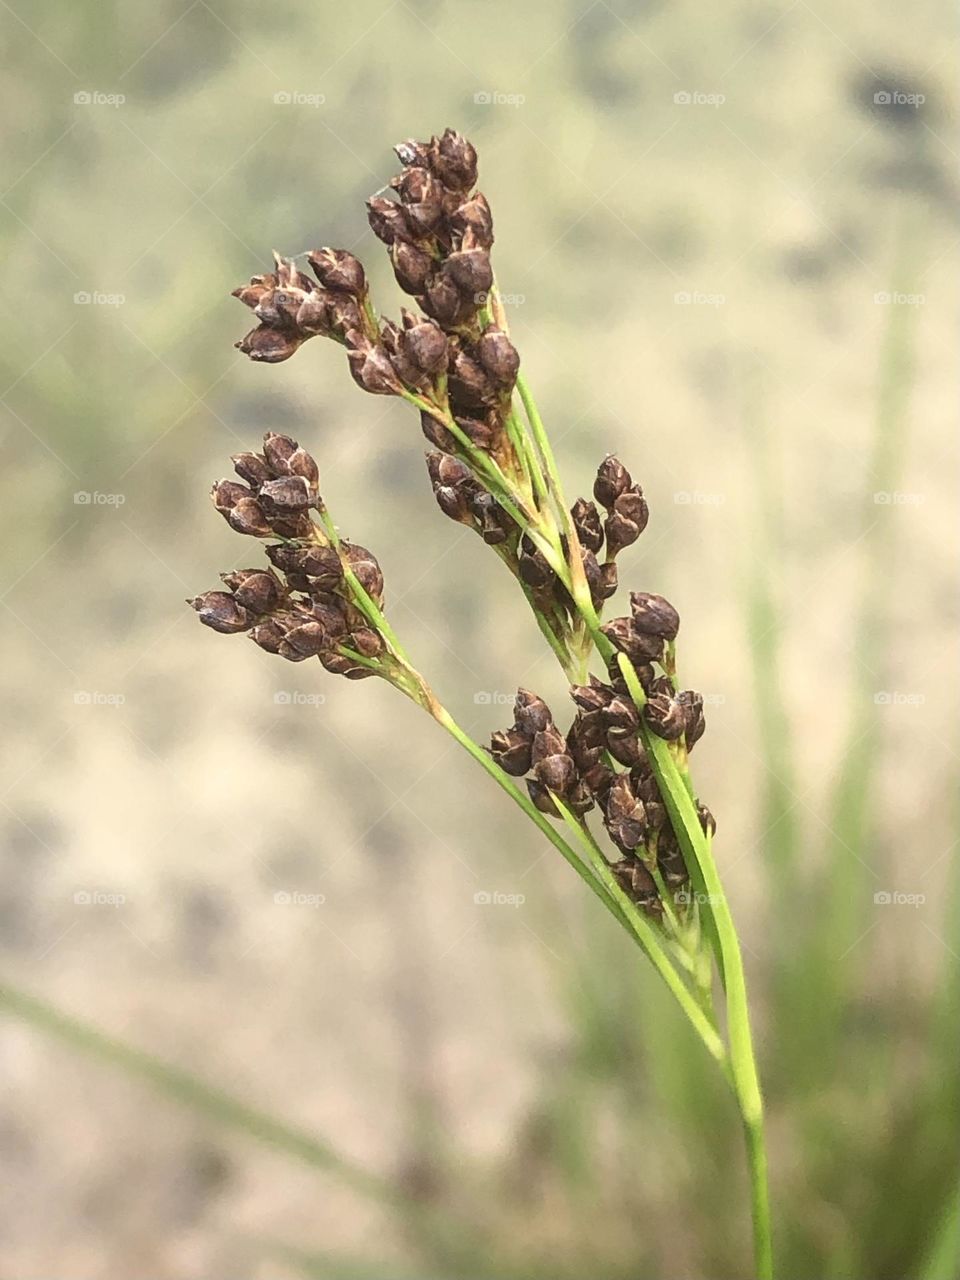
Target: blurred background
728,239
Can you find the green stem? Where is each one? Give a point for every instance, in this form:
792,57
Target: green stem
649,940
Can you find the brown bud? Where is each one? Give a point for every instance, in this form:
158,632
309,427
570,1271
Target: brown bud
585,740
387,220
315,315
474,215
342,665
425,346
443,300
511,750
532,566
269,345
247,516
638,648
436,432
531,714
626,521
470,384
252,294
252,468
411,266
499,357
339,270
306,641
258,590
694,722
608,581
269,635
470,271
454,161
541,798
586,519
625,816
593,696
366,569
227,493
493,521
664,715
639,885
371,368
315,562
365,641
612,480
289,493
670,859
654,615
222,612
707,820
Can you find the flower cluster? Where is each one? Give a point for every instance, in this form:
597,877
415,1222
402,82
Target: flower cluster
314,602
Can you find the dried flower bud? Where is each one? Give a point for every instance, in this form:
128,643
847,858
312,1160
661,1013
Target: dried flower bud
387,220
626,521
425,346
365,641
585,740
470,384
511,750
269,635
340,664
247,516
268,345
371,367
470,271
541,798
454,160
412,266
366,569
493,521
499,357
707,820
436,432
252,468
443,300
258,590
694,722
289,493
531,714
586,519
670,859
637,882
532,566
305,641
653,615
664,715
222,612
612,480
638,648
338,270
625,816
593,696
474,215
252,294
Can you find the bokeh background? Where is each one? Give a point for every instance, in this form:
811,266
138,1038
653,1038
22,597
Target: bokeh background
729,240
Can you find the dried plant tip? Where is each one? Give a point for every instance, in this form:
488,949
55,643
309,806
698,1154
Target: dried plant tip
531,713
269,345
470,271
638,647
259,590
707,821
532,566
670,859
454,160
664,715
222,612
511,750
637,882
412,266
387,220
586,520
321,563
252,468
474,216
625,815
612,480
608,581
290,493
365,568
339,270
341,664
247,516
541,798
499,357
653,615
694,721
593,696
425,346
371,367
